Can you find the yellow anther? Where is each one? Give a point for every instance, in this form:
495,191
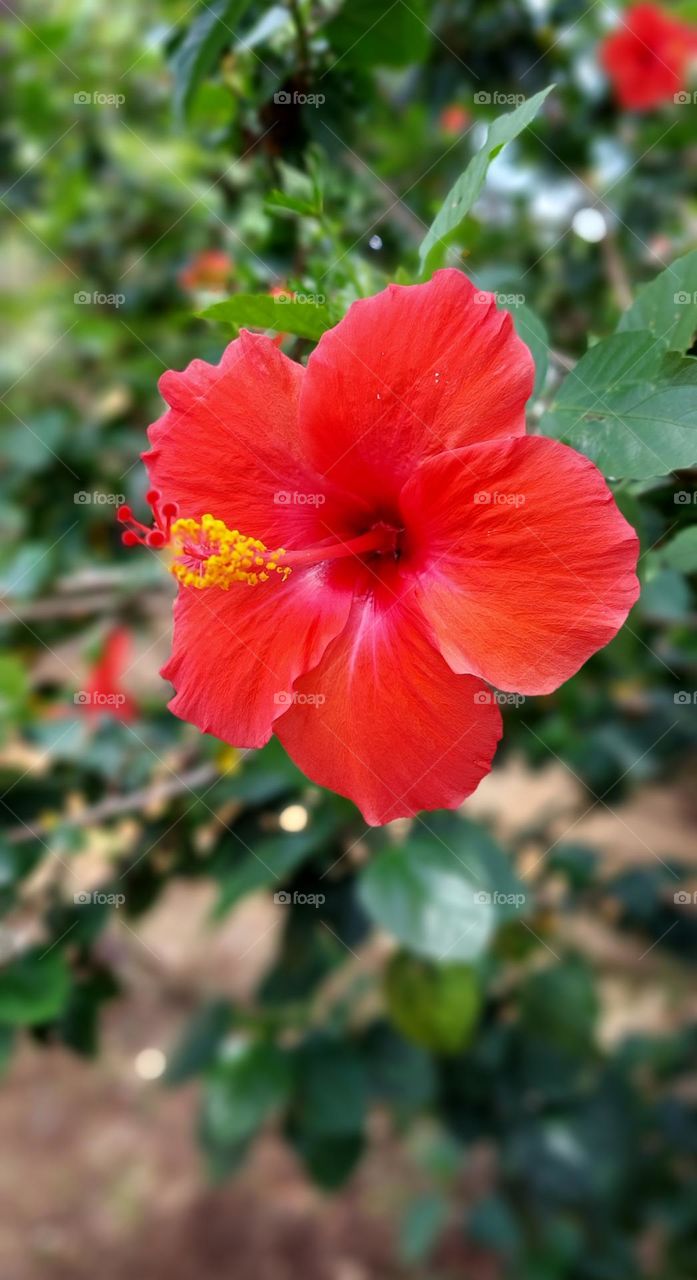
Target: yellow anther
208,554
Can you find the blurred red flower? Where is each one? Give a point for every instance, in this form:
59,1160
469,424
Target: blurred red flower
648,58
210,269
454,119
104,689
427,548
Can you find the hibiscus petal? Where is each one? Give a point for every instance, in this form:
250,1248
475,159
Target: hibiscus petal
384,721
411,371
230,445
236,653
525,565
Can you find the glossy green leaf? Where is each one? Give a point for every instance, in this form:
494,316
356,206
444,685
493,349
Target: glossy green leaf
667,307
304,318
629,407
462,195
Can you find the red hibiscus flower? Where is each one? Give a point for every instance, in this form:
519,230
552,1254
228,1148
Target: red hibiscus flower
454,119
647,59
365,545
211,269
105,692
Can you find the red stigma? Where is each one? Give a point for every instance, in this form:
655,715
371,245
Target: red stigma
139,534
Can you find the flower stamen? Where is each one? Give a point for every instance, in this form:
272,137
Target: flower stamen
208,554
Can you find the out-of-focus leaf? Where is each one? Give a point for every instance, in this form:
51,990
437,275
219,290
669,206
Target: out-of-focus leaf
681,552
667,307
629,407
249,1083
493,1225
272,860
421,1226
462,195
665,596
332,1088
560,1003
400,1073
199,1045
7,1039
79,1023
34,987
436,1006
380,33
442,892
212,31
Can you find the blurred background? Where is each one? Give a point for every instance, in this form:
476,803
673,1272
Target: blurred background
230,1040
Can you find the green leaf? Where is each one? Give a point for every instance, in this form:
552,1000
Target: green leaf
665,597
667,307
7,1040
250,1082
681,552
199,1045
333,1088
34,987
463,194
560,1004
422,1225
436,1006
380,33
492,1225
329,1160
530,328
304,318
210,33
629,407
441,892
273,860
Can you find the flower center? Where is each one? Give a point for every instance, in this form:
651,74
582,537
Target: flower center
208,554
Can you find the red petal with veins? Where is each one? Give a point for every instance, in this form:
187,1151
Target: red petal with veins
525,564
407,373
229,445
384,721
236,653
